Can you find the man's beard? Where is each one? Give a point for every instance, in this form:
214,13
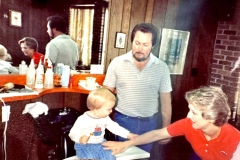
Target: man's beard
140,59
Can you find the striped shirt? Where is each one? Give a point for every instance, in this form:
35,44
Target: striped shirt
138,92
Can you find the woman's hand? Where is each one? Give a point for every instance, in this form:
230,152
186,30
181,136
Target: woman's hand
116,147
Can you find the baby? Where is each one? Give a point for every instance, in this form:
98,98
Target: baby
89,129
5,67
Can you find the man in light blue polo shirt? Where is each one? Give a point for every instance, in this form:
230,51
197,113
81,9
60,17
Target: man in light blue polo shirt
61,49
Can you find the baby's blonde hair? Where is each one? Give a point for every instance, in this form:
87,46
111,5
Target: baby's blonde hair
98,97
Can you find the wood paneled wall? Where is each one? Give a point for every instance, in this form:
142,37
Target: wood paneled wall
34,24
198,17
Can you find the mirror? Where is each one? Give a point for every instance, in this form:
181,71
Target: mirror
94,54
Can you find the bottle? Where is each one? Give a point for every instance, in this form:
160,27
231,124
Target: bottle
58,76
65,75
23,68
59,66
39,76
31,73
71,79
40,67
45,64
48,78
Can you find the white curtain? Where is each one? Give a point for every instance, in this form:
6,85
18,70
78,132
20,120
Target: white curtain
80,30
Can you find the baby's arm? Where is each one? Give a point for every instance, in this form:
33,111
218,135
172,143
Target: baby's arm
131,136
116,129
79,131
84,139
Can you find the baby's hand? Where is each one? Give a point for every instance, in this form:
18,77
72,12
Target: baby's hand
84,139
131,136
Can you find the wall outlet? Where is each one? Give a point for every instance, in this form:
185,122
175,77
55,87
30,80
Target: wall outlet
5,113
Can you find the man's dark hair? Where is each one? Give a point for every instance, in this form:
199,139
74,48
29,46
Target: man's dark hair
57,22
145,28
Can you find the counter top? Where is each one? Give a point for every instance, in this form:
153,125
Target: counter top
21,79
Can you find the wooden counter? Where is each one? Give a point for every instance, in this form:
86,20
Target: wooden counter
22,142
21,79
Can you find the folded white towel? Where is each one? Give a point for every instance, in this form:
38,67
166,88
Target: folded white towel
35,109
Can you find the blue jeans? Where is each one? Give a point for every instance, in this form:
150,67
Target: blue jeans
93,151
137,125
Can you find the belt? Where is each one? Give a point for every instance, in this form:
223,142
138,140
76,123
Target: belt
139,118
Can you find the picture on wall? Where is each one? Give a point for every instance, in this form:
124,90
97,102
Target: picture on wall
120,40
173,49
15,18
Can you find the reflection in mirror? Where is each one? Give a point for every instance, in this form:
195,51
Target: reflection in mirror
80,30
94,29
87,25
5,66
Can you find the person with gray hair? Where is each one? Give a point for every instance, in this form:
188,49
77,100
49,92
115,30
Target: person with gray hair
205,127
5,67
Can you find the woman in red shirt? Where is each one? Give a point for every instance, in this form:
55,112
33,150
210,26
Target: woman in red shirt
205,127
29,46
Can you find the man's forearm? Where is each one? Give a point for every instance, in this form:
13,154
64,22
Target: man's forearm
166,117
166,108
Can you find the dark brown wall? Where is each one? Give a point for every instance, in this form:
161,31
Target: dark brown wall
34,24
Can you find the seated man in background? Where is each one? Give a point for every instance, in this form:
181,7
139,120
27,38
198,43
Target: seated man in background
61,49
29,47
5,67
205,127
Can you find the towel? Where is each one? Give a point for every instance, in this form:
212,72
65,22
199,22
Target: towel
36,109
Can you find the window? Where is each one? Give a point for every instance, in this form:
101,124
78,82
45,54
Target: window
80,30
86,28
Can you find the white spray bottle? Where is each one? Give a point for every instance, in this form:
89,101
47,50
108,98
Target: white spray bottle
39,76
31,73
48,78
